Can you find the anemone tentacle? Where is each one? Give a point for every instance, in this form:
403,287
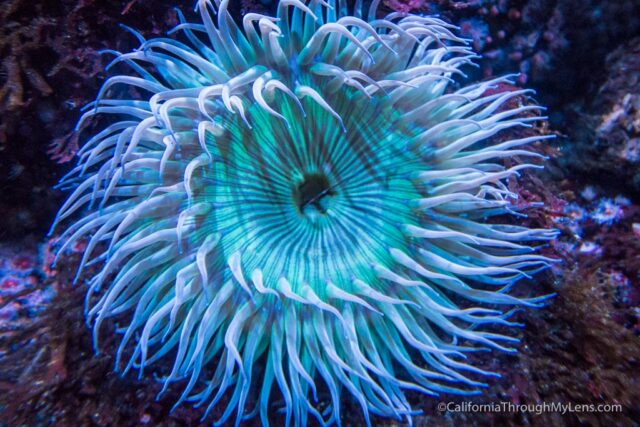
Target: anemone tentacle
302,200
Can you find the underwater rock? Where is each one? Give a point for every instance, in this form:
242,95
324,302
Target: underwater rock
606,139
22,293
49,66
558,46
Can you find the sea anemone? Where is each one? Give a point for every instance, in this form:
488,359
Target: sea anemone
300,206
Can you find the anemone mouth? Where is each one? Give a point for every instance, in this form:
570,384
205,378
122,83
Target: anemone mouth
311,192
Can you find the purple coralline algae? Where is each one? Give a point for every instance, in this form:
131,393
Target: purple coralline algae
585,218
22,275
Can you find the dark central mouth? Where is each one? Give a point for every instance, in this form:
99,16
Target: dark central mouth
313,192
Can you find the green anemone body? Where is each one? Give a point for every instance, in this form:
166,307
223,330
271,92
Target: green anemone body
298,209
312,210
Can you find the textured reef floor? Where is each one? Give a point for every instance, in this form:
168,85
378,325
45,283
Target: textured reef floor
584,347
